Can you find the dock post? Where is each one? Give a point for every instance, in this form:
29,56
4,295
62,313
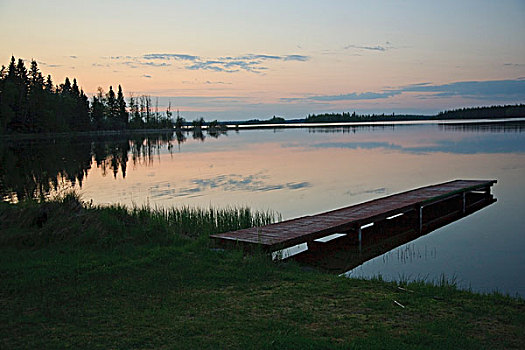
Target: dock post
420,218
359,235
464,202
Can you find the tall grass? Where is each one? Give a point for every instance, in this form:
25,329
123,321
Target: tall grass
67,218
194,222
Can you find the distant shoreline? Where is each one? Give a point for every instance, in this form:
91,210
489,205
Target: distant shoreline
372,123
240,126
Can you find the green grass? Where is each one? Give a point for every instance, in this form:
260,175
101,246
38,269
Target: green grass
67,219
111,277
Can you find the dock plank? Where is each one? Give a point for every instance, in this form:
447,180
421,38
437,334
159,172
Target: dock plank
291,232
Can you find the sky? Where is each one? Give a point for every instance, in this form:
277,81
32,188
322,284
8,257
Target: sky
238,60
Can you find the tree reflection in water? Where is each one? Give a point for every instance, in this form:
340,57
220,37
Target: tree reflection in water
39,167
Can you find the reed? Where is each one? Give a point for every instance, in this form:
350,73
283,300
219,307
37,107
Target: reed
68,218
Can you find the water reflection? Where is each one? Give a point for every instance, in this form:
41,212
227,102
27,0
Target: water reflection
33,169
506,127
36,168
296,173
346,252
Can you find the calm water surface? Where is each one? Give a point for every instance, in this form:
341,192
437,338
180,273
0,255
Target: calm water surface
306,171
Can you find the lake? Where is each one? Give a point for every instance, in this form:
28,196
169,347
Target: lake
306,171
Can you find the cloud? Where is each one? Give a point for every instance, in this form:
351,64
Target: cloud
500,89
153,64
504,90
146,76
73,56
356,96
299,58
130,64
371,48
517,65
380,48
119,57
170,56
50,65
207,82
217,66
228,64
135,64
249,63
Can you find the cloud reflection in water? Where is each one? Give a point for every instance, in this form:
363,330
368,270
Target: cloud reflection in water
231,182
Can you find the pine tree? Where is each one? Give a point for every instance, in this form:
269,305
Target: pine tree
36,80
49,84
65,89
112,110
11,70
3,106
83,111
97,113
21,72
36,99
169,113
17,87
123,115
74,89
136,119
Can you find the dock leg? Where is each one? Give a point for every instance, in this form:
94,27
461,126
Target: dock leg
464,202
420,219
359,235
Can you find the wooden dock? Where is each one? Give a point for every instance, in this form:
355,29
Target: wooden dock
420,203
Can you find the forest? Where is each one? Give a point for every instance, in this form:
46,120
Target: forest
507,111
32,103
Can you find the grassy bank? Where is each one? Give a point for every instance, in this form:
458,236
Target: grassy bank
81,276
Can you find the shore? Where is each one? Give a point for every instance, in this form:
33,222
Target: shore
84,276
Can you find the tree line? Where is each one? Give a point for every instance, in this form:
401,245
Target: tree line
32,103
507,111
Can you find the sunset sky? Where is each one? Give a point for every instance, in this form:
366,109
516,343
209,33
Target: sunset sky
232,60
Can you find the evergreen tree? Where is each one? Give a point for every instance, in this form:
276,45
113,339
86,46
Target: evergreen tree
166,123
123,115
136,119
74,89
65,89
3,121
49,84
36,99
84,120
112,111
65,114
21,72
36,80
15,100
98,108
